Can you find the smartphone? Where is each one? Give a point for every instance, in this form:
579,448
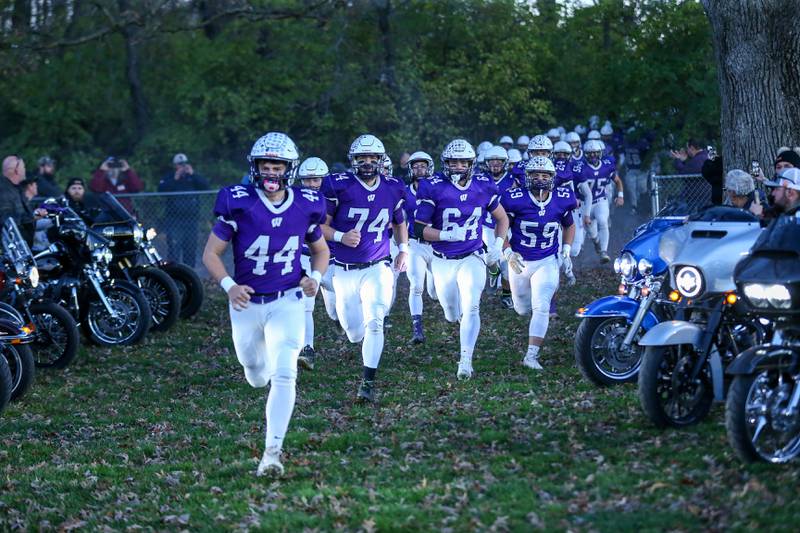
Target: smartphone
755,168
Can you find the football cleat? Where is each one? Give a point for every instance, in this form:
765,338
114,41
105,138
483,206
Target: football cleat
604,257
507,301
464,369
532,362
366,391
270,464
307,357
597,246
417,335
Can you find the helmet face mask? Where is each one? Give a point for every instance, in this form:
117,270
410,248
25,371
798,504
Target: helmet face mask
311,182
539,153
458,159
272,161
366,166
420,166
593,157
367,156
272,175
593,151
496,166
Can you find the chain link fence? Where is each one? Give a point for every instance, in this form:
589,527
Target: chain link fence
691,189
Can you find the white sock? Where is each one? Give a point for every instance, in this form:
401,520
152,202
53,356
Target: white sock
280,404
309,327
466,354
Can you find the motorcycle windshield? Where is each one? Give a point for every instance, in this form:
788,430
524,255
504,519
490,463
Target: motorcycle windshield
14,246
112,210
783,235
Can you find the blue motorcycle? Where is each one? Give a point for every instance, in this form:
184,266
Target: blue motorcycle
606,343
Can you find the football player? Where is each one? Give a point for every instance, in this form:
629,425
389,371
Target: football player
420,254
450,212
502,176
506,142
309,176
595,175
522,146
574,140
362,204
553,135
267,223
539,146
537,213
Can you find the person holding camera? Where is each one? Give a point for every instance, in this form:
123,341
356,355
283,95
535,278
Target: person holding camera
180,221
116,176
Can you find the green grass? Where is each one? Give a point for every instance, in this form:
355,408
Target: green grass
167,435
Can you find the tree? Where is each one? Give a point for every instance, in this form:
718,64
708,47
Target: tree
757,45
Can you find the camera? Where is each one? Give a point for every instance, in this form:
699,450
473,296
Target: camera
113,162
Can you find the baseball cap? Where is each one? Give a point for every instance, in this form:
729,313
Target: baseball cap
180,159
789,178
46,160
739,182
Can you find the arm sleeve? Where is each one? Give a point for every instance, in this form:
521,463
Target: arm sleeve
225,226
399,214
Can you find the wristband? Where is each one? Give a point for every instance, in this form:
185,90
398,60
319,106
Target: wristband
620,195
316,276
226,283
337,236
403,247
498,242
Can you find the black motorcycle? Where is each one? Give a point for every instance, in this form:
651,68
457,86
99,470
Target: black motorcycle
55,333
762,412
16,355
136,259
74,270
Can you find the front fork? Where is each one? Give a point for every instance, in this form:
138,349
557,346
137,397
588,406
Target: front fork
96,280
644,306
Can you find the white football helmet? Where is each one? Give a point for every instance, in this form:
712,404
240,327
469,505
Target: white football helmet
553,133
563,149
418,157
561,130
388,167
496,153
506,139
594,122
594,135
458,149
366,145
274,146
483,146
514,156
536,166
580,129
606,130
593,150
523,141
540,142
573,137
312,168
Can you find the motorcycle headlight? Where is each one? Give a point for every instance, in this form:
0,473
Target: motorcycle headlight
151,234
776,295
645,267
689,281
33,275
617,267
627,265
102,255
138,234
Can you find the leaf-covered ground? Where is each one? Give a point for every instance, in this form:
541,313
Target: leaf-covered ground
167,435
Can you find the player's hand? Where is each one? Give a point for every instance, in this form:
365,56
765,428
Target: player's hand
309,286
400,262
352,238
515,260
566,264
494,256
239,296
587,220
457,234
619,201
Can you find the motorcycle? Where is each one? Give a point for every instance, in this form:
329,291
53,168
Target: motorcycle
762,412
16,355
128,238
74,270
682,366
174,289
606,349
55,334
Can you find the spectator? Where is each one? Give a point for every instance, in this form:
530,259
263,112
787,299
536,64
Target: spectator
180,223
786,191
741,192
713,173
30,189
48,188
75,195
12,201
690,160
117,177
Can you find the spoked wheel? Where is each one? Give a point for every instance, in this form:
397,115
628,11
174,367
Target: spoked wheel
162,295
190,287
20,362
667,393
56,338
130,321
760,424
6,383
599,352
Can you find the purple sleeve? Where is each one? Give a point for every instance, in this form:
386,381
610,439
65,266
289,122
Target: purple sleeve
494,197
567,220
425,206
329,193
314,234
399,215
225,226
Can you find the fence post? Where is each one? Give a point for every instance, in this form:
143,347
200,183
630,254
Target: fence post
654,200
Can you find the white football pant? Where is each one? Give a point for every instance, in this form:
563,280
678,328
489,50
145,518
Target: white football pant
532,291
305,263
580,233
273,362
328,294
420,257
459,284
635,186
363,298
599,226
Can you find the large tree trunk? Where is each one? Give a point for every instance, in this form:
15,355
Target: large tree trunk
757,44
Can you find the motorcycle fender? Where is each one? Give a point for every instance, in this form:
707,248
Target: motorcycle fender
609,306
717,375
763,357
671,333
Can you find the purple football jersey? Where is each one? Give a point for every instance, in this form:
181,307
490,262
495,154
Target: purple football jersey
267,239
535,226
444,205
506,181
563,172
370,210
597,177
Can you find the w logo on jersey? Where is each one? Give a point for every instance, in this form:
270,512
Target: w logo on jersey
370,197
463,197
239,192
276,222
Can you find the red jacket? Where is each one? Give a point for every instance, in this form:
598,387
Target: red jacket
128,182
